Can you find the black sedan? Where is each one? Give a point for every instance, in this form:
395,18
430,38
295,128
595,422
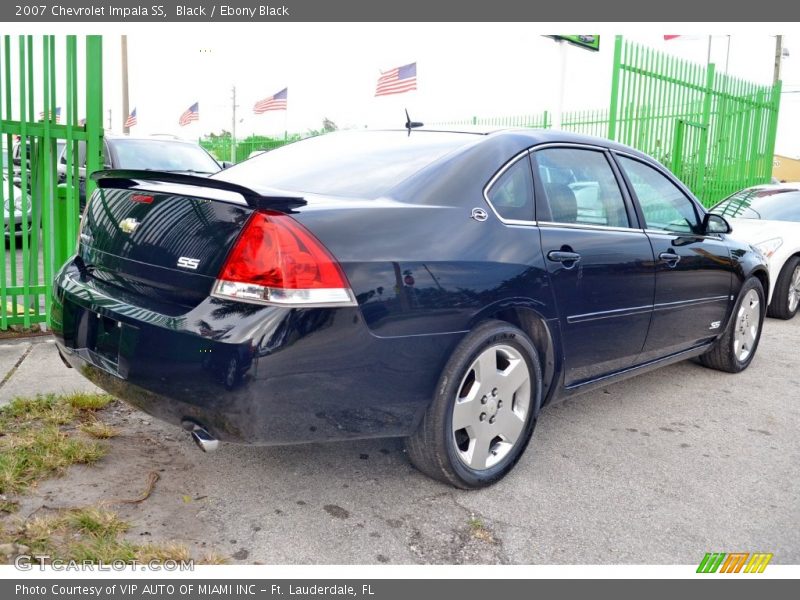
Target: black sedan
441,286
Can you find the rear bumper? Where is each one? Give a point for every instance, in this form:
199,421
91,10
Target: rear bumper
250,374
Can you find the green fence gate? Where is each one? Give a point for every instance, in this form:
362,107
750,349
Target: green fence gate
47,106
716,132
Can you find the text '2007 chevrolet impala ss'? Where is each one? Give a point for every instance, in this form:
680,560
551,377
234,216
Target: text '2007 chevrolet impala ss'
441,286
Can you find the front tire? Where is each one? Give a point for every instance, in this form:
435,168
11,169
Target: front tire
484,410
786,297
735,348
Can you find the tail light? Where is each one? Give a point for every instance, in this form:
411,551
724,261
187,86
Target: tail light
278,261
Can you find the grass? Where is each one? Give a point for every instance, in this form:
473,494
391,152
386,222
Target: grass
479,531
89,534
84,401
96,522
212,558
38,438
41,437
99,430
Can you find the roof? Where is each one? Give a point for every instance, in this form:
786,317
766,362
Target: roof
533,136
154,138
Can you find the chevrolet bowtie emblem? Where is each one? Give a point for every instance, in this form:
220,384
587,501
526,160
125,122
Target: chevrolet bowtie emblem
128,225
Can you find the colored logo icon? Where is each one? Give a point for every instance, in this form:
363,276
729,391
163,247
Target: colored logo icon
735,562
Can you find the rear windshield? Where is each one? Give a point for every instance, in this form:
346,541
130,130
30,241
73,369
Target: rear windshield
772,204
364,164
162,155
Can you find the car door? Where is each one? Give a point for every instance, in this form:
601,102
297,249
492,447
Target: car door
693,270
599,261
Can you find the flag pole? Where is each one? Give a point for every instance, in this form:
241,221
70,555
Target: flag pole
125,107
233,124
562,78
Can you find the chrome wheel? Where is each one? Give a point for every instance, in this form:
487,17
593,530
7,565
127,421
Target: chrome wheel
491,407
794,290
748,321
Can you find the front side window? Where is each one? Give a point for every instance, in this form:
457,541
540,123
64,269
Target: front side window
580,187
664,205
511,194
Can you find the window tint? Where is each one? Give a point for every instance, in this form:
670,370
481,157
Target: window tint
162,155
580,187
664,205
774,204
365,164
511,194
81,154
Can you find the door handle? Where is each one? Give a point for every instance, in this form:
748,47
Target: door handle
568,259
670,258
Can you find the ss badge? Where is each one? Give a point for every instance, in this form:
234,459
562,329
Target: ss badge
715,324
188,263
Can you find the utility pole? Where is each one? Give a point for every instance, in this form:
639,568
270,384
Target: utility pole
562,78
233,124
125,107
109,119
778,56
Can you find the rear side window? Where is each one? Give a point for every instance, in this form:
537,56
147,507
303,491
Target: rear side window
664,205
511,194
580,187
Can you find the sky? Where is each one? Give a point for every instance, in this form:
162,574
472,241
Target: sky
464,70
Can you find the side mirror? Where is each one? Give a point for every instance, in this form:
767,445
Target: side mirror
713,223
226,164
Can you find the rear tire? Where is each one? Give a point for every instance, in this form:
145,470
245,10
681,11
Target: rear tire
786,297
735,348
484,409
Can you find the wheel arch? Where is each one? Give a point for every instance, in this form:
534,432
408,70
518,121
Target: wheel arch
762,275
537,329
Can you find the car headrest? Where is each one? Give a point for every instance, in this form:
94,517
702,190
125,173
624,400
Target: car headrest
563,205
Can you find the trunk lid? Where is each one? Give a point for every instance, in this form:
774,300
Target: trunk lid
165,236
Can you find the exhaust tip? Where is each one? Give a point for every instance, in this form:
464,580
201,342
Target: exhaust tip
204,440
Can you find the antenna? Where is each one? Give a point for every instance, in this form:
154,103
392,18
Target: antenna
411,124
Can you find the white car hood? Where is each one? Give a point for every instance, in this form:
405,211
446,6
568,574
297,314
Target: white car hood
755,231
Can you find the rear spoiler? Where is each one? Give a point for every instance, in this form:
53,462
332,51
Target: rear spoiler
128,178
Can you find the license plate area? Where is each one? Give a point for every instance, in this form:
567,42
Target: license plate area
106,340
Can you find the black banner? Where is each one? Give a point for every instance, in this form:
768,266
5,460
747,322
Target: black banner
242,11
393,589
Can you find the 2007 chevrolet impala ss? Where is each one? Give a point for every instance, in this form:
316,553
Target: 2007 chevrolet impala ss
437,285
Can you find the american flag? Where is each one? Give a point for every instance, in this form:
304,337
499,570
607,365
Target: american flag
190,114
275,102
131,120
398,80
58,114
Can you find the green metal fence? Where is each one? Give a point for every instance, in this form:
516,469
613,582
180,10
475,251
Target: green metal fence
587,122
540,120
220,147
47,106
714,131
